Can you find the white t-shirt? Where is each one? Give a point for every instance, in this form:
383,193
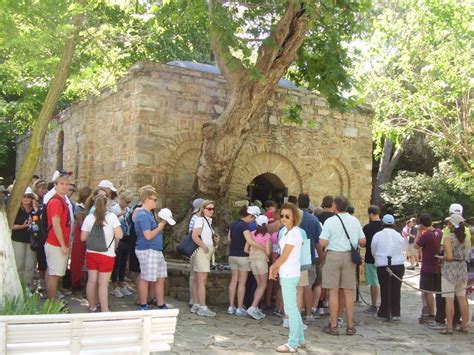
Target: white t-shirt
111,222
291,267
388,242
206,233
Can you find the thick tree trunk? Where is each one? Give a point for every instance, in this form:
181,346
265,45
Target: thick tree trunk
386,167
40,127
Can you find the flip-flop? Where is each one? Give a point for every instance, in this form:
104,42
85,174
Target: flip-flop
286,348
330,330
350,331
446,331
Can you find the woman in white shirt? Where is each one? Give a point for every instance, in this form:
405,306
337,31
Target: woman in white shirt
203,236
388,242
287,266
100,264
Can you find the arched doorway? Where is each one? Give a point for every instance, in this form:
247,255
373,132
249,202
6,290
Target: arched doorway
265,187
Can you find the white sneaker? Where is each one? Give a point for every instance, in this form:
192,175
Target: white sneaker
195,308
253,312
205,312
116,292
262,315
124,290
231,310
241,312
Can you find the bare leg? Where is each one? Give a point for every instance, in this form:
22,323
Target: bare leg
160,291
308,300
259,292
201,288
349,297
464,310
430,302
374,294
233,287
316,295
333,305
52,282
449,312
91,288
300,297
142,290
104,278
241,288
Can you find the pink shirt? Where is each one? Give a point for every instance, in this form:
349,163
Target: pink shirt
261,238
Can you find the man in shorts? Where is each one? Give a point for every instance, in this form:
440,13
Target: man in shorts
59,228
374,226
339,270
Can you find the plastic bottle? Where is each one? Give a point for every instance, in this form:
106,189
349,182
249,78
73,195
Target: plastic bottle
34,226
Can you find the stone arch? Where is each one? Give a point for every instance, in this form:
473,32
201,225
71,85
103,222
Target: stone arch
332,177
246,169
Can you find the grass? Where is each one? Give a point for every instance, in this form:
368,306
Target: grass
29,305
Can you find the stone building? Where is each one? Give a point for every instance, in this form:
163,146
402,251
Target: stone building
148,131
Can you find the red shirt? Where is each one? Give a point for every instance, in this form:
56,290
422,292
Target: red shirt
58,206
430,242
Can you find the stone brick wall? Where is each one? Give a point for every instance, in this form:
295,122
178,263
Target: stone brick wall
148,131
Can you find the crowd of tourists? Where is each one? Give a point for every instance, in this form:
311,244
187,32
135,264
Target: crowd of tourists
293,260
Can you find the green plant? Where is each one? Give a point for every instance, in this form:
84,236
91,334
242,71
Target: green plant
32,305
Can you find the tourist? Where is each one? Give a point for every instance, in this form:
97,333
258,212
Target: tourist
429,240
119,289
388,243
149,249
40,188
339,270
197,203
328,208
204,236
78,250
57,243
310,224
410,232
273,291
259,264
287,267
270,209
100,264
374,226
70,193
454,273
111,190
238,259
25,258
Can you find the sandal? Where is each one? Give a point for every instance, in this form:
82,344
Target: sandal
446,331
286,348
350,331
330,330
462,329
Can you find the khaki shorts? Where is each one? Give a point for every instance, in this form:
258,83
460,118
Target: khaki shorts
339,270
258,263
311,275
56,260
201,261
411,250
241,263
303,282
457,288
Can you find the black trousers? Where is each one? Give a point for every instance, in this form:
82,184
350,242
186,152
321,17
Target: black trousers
390,291
121,258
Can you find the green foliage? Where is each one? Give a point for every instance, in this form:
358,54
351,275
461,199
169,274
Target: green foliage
29,305
411,194
416,72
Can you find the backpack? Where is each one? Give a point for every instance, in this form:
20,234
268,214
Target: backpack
126,224
96,239
44,228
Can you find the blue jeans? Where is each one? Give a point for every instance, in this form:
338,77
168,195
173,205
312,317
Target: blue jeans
288,290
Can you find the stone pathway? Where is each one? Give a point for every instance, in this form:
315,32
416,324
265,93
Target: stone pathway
227,334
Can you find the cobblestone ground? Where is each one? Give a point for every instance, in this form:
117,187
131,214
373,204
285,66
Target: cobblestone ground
226,334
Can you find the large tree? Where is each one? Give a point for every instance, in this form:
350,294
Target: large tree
418,78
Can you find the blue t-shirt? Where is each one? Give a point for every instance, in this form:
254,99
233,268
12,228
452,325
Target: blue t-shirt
237,239
310,224
144,221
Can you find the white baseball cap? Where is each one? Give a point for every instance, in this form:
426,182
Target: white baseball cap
388,219
455,208
166,214
456,220
253,210
262,220
107,185
29,191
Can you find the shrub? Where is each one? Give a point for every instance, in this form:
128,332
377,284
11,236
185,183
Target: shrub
29,305
411,194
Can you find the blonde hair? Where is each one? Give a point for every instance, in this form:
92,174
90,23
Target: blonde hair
296,215
204,205
146,192
126,195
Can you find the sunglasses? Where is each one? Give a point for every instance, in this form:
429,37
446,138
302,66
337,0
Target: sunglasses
286,216
210,208
28,196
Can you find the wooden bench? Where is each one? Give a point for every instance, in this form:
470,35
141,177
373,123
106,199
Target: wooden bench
136,332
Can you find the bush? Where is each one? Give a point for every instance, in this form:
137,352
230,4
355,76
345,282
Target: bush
29,305
411,194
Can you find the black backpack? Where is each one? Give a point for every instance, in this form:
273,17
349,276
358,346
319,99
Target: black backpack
43,220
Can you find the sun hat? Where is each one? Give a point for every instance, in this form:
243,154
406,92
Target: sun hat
197,203
106,184
455,208
253,210
166,214
29,191
456,220
388,219
262,220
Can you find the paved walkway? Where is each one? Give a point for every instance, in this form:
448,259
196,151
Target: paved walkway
226,334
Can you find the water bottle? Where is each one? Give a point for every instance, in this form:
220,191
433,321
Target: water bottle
34,226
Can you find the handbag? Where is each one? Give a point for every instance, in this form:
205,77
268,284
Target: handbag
187,247
355,255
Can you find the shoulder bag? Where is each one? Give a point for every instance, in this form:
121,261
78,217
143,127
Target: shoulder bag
356,258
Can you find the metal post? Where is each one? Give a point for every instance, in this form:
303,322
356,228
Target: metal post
389,301
357,282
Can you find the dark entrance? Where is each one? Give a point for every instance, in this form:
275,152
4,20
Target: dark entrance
267,187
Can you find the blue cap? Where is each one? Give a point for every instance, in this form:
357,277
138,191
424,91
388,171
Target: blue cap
388,219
